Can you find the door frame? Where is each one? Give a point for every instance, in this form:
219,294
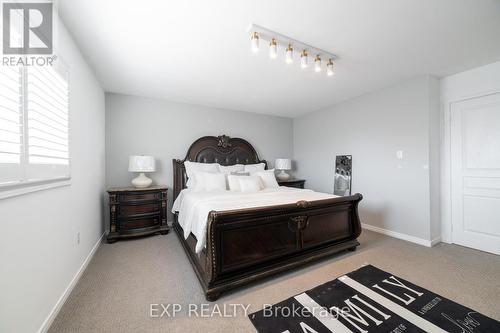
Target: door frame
447,103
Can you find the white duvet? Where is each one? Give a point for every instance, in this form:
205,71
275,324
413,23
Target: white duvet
193,207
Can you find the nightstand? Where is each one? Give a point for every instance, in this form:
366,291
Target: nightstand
298,183
137,212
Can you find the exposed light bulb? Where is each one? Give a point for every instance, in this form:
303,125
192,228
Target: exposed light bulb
317,64
273,49
303,59
329,67
255,42
289,54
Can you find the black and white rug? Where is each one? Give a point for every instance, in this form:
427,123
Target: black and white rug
370,300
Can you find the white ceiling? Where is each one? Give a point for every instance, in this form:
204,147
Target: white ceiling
199,51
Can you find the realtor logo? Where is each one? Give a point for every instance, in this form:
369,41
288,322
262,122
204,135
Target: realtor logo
27,28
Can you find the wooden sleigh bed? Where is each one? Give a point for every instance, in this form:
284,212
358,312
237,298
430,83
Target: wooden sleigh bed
245,245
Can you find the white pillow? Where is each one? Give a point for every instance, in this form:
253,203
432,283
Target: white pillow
268,178
206,181
255,167
233,183
192,167
250,184
231,168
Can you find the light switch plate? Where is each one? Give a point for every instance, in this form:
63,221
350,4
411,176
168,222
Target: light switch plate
399,154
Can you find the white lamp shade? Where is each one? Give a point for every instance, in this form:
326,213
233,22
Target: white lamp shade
317,65
283,164
141,164
289,55
303,61
255,44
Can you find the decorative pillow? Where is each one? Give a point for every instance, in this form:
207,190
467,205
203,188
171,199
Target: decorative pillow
240,173
268,178
206,181
192,167
233,183
231,168
255,167
250,184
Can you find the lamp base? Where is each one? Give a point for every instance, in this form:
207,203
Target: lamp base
283,176
142,181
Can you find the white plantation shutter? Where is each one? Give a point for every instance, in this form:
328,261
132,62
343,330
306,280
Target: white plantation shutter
47,123
11,125
34,125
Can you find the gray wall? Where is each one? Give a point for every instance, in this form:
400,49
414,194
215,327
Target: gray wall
372,128
39,254
435,116
164,129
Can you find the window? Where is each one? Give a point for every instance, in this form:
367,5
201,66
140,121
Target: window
34,125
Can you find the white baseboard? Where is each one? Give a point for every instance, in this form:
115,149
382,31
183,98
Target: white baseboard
57,307
402,236
436,241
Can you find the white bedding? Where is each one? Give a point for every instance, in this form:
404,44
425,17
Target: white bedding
193,206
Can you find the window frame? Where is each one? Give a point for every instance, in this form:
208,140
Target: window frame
24,186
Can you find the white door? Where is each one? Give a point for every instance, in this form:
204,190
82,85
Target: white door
475,172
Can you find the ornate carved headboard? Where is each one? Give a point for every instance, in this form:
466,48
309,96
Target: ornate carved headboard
214,149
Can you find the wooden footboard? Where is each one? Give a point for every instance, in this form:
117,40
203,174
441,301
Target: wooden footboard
246,245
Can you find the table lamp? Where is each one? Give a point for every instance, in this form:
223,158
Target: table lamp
141,164
283,164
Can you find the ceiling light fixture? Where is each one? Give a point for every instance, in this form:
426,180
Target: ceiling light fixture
303,59
317,64
255,42
273,49
329,67
289,54
288,44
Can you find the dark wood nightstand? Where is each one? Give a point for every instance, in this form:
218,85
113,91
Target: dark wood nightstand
137,212
298,183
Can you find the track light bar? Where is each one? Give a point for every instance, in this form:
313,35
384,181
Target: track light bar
285,41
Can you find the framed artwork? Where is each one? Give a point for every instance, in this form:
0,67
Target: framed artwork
343,175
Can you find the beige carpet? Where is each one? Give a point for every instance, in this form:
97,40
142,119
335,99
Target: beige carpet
123,279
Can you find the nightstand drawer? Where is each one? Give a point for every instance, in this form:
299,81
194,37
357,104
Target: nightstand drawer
139,197
131,210
137,223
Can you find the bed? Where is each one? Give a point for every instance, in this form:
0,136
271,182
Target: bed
272,233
